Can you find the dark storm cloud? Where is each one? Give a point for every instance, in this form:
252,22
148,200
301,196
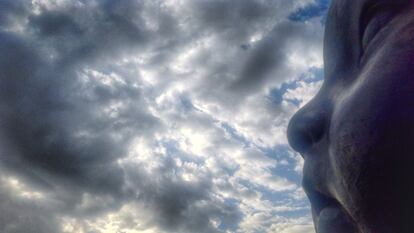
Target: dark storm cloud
43,115
249,47
12,11
21,217
54,127
87,31
231,17
71,103
268,59
46,104
180,206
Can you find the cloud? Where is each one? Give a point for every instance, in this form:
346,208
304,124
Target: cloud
152,116
19,213
270,56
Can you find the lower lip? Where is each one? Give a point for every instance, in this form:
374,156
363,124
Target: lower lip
333,219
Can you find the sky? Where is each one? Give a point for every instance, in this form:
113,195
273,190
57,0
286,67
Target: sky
155,116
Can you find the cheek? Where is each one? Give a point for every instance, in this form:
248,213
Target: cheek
372,147
353,153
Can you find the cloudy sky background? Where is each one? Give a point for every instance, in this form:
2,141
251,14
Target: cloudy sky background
154,116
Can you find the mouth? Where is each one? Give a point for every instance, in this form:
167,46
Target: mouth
329,216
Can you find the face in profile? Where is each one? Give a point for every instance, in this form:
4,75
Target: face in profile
357,134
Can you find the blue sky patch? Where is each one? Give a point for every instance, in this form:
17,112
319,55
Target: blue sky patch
275,95
316,9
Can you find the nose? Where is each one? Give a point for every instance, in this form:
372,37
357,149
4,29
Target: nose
307,127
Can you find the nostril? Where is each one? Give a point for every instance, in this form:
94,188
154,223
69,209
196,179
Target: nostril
305,129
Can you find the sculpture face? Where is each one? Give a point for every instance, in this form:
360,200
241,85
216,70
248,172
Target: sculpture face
357,134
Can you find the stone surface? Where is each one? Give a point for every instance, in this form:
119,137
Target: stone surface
357,134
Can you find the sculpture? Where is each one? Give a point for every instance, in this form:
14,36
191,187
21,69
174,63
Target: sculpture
357,134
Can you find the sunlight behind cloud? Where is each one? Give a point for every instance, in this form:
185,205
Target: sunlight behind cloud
154,116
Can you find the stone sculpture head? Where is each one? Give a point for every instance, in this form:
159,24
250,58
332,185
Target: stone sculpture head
357,134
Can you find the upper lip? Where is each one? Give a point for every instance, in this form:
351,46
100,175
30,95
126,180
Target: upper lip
318,199
341,220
